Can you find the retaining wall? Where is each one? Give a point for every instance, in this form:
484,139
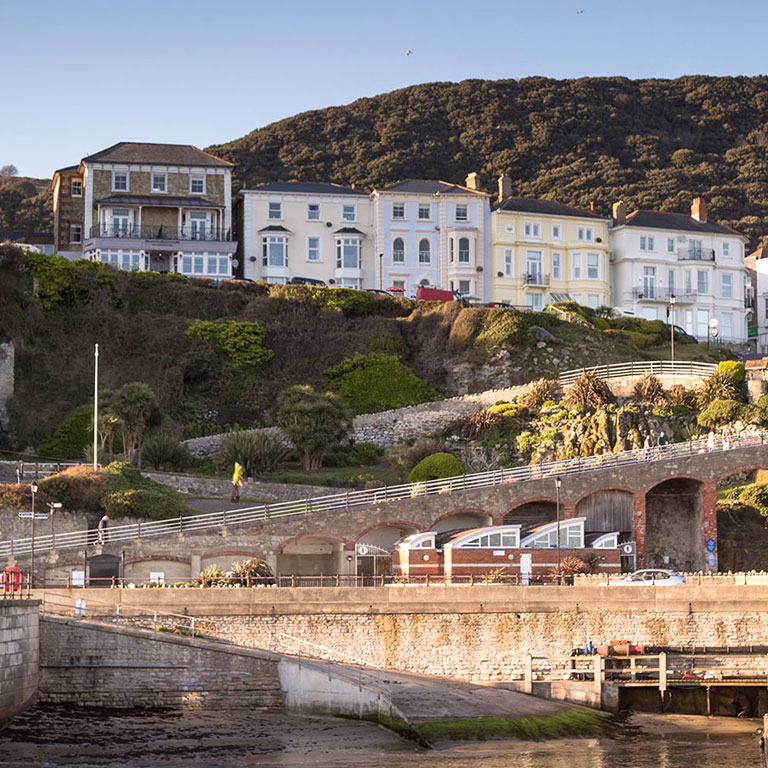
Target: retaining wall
19,656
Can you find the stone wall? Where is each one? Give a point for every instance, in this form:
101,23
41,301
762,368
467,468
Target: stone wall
19,661
93,665
7,356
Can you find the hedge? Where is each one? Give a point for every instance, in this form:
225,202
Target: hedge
435,467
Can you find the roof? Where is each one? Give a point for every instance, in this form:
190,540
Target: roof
67,168
428,187
158,200
274,228
544,207
27,238
160,154
308,188
348,231
760,253
677,221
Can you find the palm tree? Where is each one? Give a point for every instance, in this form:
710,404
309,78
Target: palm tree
134,407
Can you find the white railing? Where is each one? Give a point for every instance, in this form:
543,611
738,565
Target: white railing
351,499
640,368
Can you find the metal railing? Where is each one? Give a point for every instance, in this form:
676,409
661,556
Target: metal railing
640,368
536,278
160,232
351,499
658,294
696,254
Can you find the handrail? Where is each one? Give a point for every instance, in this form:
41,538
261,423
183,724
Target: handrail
351,499
640,368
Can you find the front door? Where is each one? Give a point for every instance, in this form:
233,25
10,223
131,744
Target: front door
121,222
197,225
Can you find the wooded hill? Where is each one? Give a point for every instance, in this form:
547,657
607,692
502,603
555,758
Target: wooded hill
654,143
25,204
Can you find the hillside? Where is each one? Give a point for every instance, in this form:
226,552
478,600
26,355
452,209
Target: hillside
25,204
654,143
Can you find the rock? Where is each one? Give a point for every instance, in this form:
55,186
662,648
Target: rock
541,334
541,344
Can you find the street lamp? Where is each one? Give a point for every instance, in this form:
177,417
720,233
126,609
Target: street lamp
52,506
33,488
558,483
672,331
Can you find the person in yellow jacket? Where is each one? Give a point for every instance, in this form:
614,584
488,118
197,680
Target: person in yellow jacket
237,481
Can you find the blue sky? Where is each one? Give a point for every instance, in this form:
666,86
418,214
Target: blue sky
81,75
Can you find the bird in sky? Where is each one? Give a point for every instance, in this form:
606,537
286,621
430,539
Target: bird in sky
408,52
578,12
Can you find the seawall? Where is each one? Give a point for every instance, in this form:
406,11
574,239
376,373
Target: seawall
19,656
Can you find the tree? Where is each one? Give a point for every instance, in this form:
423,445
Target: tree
9,170
135,408
314,422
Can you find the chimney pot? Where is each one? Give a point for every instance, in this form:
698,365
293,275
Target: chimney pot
505,187
619,213
592,206
472,181
699,209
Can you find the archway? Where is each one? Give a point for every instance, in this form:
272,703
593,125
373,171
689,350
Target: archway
742,537
607,511
373,549
313,556
461,520
532,513
674,525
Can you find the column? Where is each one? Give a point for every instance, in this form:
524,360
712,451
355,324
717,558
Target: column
638,527
709,525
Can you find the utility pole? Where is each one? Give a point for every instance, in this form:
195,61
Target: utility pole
558,483
95,407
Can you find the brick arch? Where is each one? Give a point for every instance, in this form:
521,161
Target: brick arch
461,511
746,468
587,494
700,480
347,544
170,558
389,523
532,500
228,552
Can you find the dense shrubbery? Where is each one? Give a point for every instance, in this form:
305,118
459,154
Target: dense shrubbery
241,342
719,386
257,452
436,466
589,391
357,455
733,369
649,390
539,392
71,437
720,412
163,451
378,382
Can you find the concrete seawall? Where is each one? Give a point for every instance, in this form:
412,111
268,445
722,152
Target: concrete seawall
19,656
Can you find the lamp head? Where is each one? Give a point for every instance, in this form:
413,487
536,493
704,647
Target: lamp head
56,505
558,481
33,487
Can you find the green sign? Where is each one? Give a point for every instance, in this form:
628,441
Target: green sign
751,331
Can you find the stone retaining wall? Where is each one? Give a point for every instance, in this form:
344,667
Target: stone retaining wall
19,660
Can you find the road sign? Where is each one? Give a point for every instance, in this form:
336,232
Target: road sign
38,515
714,333
713,323
25,514
711,545
628,548
711,559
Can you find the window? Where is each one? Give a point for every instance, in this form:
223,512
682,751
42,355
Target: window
726,325
607,541
398,211
76,187
425,256
532,229
75,233
556,232
129,260
313,212
120,222
348,212
726,286
313,249
108,256
398,284
670,245
593,300
766,309
576,266
509,262
651,244
398,251
197,184
688,284
212,265
461,213
451,248
587,234
535,301
120,181
702,323
649,283
351,282
506,539
197,225
556,266
426,544
702,281
348,253
464,287
463,250
726,249
425,212
593,266
646,243
274,251
571,535
576,297
533,275
671,280
275,211
694,250
159,182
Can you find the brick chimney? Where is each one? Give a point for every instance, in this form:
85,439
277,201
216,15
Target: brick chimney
699,209
505,187
472,181
619,213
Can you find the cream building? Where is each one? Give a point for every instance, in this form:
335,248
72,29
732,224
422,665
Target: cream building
543,252
299,231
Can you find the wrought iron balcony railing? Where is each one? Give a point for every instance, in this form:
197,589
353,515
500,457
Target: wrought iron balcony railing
695,254
536,278
161,232
662,295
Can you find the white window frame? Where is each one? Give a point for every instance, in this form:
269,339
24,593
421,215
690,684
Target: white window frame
422,252
279,205
398,206
72,183
155,175
464,256
670,245
532,230
557,232
651,243
593,300
341,243
596,266
76,228
699,273
197,177
726,250
401,260
586,234
127,187
576,266
726,328
463,207
428,208
348,209
557,265
311,248
509,262
310,217
723,277
266,241
469,287
536,305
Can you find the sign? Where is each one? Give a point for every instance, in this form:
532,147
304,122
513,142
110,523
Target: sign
711,546
38,515
25,514
714,333
628,548
362,550
711,559
713,323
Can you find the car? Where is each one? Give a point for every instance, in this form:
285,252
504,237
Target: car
649,577
683,335
306,281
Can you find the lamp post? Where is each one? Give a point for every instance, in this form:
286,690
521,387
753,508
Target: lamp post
672,331
95,407
33,488
558,483
52,507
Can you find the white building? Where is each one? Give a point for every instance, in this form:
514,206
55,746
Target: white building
295,231
757,265
433,233
699,262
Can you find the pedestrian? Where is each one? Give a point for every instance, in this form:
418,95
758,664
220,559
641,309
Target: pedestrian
711,440
663,442
727,437
237,481
102,529
647,445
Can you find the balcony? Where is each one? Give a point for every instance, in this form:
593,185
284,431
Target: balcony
661,296
149,232
695,254
536,278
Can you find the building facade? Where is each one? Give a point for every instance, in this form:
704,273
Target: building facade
295,231
164,207
432,233
699,262
757,270
545,252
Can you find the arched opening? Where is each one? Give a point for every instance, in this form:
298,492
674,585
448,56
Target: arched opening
674,525
742,534
373,550
463,250
312,556
425,282
461,521
608,511
532,513
102,569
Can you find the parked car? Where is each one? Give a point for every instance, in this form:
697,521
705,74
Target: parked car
306,281
425,293
649,577
683,335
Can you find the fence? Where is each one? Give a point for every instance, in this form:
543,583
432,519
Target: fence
640,368
352,499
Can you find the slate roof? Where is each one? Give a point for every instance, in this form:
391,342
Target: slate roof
543,207
348,231
66,169
25,237
760,253
677,221
308,188
429,187
159,154
274,228
158,200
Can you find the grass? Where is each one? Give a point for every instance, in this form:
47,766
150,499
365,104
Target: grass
337,477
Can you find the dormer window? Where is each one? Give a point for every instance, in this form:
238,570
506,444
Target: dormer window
76,188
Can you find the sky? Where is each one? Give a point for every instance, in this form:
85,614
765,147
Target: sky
80,75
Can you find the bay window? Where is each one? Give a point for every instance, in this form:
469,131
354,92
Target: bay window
348,252
463,250
274,251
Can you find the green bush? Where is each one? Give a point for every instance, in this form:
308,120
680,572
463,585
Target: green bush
358,455
719,386
756,495
436,466
258,452
720,412
241,342
345,300
376,382
734,370
70,439
163,451
635,338
141,502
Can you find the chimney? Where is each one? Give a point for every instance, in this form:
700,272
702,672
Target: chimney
699,209
472,181
505,187
592,206
619,213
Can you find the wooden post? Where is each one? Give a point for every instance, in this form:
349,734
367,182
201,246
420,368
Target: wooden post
662,673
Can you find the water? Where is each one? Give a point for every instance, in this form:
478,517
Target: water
53,737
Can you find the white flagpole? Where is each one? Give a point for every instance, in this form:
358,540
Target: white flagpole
95,406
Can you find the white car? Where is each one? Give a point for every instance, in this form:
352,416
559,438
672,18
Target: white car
650,577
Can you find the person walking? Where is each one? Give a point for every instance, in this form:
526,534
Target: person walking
727,437
237,482
711,440
663,443
102,530
647,446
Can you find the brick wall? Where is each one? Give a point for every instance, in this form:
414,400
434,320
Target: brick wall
18,656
